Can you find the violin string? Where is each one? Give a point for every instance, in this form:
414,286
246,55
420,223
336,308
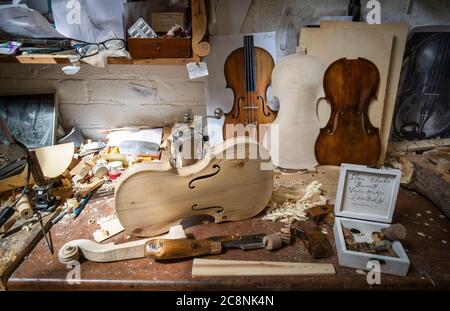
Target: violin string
246,78
252,64
251,78
429,98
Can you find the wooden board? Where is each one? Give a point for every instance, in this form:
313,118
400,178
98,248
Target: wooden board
18,244
399,32
331,44
54,160
213,267
152,197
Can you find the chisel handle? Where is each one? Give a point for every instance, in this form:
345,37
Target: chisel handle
161,249
5,214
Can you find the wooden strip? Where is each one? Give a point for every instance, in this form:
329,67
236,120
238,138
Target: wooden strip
422,145
213,267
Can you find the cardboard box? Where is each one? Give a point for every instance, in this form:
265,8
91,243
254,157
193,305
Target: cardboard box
163,22
365,201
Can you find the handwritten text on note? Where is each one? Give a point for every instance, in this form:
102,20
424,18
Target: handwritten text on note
368,192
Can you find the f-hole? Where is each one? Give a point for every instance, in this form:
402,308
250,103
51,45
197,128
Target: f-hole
195,208
191,186
263,106
238,108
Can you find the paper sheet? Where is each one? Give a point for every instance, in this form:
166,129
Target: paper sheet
148,135
19,21
89,21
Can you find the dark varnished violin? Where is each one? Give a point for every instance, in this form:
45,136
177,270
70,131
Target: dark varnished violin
248,72
349,137
422,109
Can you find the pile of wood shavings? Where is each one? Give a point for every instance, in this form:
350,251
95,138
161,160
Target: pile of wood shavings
290,202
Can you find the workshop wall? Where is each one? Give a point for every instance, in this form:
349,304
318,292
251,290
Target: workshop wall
288,16
96,99
120,95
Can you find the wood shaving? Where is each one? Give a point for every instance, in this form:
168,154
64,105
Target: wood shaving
290,201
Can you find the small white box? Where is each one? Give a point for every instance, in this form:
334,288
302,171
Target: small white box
365,200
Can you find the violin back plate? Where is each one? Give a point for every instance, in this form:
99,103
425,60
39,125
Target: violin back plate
349,136
234,181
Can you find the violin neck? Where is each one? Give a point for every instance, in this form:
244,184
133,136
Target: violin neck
249,63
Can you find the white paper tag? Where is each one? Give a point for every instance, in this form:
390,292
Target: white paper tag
197,70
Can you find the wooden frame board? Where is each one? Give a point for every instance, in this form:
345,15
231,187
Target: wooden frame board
330,44
399,31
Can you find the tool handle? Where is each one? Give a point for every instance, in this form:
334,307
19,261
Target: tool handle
6,214
82,205
161,249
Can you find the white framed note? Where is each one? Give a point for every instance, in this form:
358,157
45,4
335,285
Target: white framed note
367,193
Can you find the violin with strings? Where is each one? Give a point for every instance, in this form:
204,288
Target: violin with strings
248,72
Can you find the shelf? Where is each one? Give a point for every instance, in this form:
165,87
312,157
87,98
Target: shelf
58,59
200,47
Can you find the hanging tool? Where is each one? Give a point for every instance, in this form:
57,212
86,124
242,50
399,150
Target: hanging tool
161,249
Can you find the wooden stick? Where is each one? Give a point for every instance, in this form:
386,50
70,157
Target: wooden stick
213,267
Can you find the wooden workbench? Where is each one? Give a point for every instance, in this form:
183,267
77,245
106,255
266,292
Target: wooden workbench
429,253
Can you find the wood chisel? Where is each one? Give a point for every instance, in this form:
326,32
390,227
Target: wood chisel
161,249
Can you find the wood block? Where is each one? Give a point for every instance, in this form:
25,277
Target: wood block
319,213
314,240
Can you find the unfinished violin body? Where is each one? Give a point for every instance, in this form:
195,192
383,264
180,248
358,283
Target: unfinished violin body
349,137
232,182
248,72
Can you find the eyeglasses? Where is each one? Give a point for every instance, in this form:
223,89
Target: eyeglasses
91,49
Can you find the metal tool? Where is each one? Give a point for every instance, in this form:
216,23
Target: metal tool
161,249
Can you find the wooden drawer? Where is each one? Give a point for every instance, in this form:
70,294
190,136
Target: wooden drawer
160,47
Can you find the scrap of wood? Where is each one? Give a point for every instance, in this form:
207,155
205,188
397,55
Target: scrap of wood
108,228
214,267
18,244
85,189
430,182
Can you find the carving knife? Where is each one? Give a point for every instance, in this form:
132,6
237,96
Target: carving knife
161,249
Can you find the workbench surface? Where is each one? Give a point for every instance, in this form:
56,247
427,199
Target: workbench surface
428,251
